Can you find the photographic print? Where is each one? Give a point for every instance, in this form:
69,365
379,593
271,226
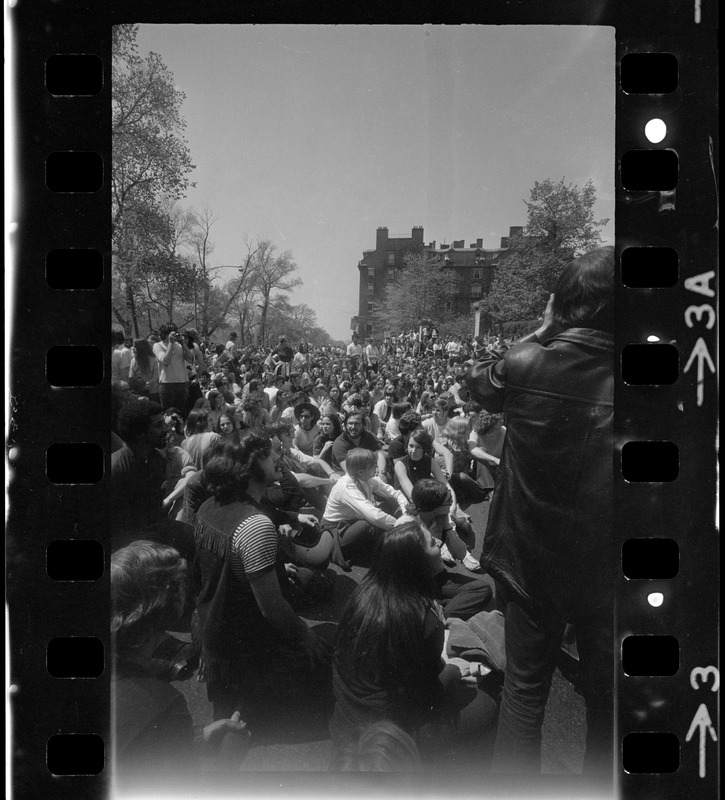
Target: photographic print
385,460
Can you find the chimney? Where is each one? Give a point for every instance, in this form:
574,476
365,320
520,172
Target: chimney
417,235
479,243
381,240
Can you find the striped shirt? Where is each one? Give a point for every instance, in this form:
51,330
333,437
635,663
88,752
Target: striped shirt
254,547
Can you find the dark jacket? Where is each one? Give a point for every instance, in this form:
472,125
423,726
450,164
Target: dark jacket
549,538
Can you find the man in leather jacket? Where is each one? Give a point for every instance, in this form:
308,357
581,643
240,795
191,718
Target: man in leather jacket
549,541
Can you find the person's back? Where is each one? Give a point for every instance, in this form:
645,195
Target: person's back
549,542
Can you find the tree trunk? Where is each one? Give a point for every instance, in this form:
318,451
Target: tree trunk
119,316
263,321
131,305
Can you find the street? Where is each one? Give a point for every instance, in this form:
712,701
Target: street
564,725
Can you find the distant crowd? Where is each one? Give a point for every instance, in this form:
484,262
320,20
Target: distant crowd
240,476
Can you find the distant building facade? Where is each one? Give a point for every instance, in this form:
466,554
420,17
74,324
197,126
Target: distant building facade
475,266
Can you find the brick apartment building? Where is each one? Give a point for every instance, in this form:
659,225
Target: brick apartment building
474,265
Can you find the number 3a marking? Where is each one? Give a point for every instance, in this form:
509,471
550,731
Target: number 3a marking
702,673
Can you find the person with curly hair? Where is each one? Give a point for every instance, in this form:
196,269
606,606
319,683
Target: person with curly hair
485,444
153,733
256,653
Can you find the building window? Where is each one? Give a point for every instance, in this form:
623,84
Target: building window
370,308
369,328
477,274
391,259
475,290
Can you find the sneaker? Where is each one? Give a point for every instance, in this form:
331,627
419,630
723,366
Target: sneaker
446,556
469,562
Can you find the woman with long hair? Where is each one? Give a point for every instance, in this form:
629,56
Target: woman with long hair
390,660
330,428
454,437
198,436
217,407
485,444
227,425
335,397
418,465
282,402
145,365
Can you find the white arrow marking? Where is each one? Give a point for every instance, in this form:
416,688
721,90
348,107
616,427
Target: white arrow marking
702,721
702,354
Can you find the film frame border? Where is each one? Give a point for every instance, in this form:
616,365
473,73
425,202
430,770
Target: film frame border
684,412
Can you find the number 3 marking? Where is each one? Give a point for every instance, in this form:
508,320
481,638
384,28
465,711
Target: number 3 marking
702,673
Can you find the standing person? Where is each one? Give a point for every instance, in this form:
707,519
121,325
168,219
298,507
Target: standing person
354,354
145,366
231,345
372,355
172,355
550,539
257,655
453,348
282,356
120,357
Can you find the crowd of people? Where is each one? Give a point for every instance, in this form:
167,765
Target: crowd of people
240,474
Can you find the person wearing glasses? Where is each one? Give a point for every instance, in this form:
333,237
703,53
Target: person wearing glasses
306,430
354,436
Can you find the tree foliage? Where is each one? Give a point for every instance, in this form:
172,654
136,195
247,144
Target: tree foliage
150,167
560,226
421,289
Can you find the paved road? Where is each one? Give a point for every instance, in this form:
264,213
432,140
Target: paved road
564,725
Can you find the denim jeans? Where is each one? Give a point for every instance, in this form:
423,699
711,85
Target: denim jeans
532,650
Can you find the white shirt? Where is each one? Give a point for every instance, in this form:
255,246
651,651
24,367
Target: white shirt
347,502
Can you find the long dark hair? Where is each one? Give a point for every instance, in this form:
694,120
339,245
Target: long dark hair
144,355
384,620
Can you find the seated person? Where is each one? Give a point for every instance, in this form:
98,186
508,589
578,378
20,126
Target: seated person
306,430
153,734
256,653
354,436
390,660
485,444
461,596
352,509
330,428
409,422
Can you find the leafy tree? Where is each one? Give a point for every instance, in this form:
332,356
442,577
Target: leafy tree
151,161
421,289
272,274
560,226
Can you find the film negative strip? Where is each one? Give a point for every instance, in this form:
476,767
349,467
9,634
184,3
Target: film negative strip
666,638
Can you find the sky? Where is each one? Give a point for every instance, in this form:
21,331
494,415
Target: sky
313,136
